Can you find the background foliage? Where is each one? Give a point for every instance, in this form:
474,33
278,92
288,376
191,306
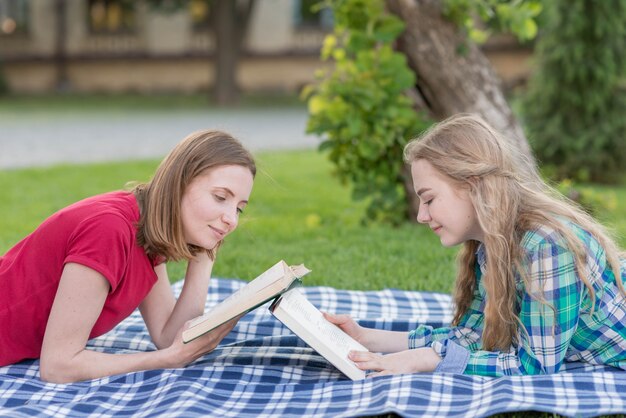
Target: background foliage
576,104
359,107
518,17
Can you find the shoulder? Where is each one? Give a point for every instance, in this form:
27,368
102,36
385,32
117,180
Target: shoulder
547,242
103,236
548,235
540,236
119,202
122,205
108,214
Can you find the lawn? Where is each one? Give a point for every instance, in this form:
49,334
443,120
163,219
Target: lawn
297,212
24,105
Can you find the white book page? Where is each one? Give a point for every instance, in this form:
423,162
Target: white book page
324,337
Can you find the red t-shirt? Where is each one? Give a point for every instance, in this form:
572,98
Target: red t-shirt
98,232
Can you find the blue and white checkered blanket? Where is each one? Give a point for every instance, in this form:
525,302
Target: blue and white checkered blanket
262,369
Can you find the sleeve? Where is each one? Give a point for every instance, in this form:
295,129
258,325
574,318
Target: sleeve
103,243
453,344
549,313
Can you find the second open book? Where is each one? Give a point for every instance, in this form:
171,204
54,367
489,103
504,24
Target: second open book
291,308
307,322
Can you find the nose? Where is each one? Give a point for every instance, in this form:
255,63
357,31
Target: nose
231,218
422,215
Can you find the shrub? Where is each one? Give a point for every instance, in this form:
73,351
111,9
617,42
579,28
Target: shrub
574,112
360,109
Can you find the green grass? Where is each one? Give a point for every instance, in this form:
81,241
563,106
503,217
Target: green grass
24,105
297,212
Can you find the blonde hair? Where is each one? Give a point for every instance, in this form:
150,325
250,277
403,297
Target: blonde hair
160,229
510,198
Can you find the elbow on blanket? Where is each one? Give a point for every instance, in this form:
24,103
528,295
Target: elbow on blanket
56,372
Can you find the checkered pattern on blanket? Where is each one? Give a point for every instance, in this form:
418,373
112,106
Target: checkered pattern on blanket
262,369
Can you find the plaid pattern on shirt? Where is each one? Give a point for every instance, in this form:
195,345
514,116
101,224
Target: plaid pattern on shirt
557,330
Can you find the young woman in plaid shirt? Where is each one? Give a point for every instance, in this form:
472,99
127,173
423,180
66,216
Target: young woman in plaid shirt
539,284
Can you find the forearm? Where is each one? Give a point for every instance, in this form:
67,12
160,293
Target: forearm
58,365
88,364
419,360
192,299
382,341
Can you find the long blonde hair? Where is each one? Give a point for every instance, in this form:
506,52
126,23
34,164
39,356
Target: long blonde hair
160,229
510,198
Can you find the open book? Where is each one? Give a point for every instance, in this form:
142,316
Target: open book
274,281
307,322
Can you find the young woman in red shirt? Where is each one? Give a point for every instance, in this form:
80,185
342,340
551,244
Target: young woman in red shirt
88,266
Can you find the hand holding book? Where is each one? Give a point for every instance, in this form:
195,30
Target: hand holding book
308,323
291,308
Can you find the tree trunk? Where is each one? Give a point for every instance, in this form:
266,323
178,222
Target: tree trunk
230,22
409,191
453,75
60,56
451,81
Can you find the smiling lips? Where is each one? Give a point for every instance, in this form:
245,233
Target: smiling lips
436,229
218,232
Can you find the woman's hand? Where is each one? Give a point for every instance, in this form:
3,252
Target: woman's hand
347,325
199,266
181,353
418,360
377,340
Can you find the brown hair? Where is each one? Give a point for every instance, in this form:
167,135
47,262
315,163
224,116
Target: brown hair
160,230
510,198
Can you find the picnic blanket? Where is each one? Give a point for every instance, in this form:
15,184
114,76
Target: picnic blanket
262,369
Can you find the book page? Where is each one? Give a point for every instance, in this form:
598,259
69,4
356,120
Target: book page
300,270
313,321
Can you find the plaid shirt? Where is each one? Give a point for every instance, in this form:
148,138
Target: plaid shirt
552,333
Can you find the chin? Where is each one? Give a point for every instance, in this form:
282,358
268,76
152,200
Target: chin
449,244
210,247
204,245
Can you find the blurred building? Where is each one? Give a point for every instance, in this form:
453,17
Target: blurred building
131,46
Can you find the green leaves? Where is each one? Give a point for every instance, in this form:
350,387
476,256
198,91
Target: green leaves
359,106
515,16
575,108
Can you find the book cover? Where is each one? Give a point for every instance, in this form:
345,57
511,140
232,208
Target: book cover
277,279
294,310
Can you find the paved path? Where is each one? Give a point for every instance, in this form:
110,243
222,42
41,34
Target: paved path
44,139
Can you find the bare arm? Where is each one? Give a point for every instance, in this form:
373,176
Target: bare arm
417,360
77,305
163,314
400,359
376,340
